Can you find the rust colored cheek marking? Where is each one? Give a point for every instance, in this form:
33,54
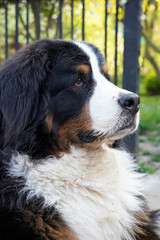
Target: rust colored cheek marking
105,69
68,132
70,129
84,68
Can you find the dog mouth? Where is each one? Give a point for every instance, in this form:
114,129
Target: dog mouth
89,136
123,131
125,126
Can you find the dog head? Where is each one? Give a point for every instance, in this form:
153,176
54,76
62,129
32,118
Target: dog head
56,93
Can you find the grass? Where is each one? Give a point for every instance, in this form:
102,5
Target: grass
156,158
146,153
150,112
145,168
149,126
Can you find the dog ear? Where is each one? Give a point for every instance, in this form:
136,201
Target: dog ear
21,88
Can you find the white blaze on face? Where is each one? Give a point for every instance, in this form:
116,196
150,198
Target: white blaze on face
104,108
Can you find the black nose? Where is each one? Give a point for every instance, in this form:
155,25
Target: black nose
130,102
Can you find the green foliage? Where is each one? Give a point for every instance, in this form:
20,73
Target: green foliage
152,83
156,158
149,128
145,168
150,47
150,113
146,153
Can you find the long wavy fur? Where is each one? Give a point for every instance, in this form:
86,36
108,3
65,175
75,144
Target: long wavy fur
21,122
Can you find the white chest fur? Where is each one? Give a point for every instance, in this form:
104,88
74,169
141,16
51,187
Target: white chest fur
95,192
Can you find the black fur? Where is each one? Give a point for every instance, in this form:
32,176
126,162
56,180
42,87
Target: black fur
39,81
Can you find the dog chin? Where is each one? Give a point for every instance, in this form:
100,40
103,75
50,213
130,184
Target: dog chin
122,133
116,133
125,130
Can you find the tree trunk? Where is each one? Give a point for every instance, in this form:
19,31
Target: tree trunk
153,63
34,10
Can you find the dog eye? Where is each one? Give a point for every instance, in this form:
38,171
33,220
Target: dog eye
78,82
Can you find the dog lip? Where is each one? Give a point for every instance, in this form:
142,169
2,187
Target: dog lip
130,127
126,126
130,122
87,137
137,110
118,133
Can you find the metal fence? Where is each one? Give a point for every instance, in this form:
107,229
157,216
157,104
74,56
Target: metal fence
132,10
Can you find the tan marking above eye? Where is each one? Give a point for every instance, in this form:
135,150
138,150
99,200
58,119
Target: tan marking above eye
84,68
105,69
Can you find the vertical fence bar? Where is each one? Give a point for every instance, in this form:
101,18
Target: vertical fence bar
131,54
71,19
105,29
27,21
38,27
60,19
83,19
6,28
17,30
116,42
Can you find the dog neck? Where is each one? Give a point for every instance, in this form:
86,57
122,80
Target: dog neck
95,192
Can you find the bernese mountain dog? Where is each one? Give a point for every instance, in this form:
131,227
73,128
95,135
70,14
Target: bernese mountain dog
61,178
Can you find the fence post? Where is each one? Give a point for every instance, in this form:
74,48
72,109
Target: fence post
83,19
131,54
6,28
38,25
17,26
60,19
